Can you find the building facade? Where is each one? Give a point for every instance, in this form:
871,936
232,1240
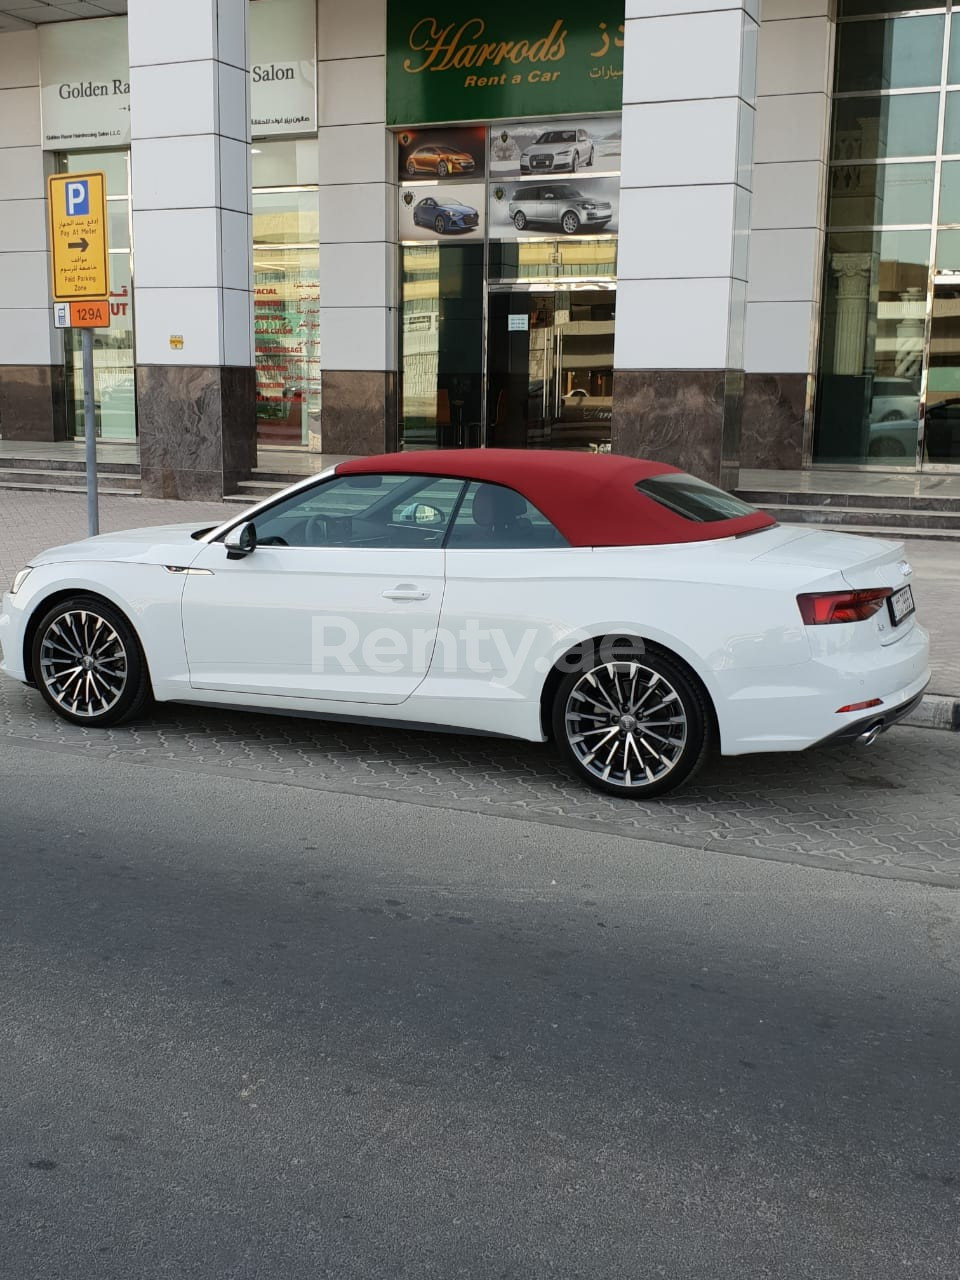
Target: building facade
724,235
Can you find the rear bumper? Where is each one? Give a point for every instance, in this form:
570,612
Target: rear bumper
881,719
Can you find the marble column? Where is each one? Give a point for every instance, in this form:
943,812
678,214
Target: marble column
192,232
853,275
688,95
787,221
910,333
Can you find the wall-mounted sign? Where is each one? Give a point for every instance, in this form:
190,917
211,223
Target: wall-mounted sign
441,153
85,77
518,324
562,207
77,217
283,67
451,63
439,211
84,84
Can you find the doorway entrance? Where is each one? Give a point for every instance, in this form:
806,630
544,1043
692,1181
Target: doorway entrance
550,368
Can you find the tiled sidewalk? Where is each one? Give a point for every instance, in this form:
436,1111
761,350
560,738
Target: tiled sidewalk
31,521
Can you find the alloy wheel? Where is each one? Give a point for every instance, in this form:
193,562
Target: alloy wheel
570,223
83,663
626,724
519,219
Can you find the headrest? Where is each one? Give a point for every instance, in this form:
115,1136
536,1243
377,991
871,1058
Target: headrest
493,505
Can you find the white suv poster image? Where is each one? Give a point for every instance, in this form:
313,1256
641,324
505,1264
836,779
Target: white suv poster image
563,207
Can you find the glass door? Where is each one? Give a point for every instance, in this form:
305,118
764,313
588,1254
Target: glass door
550,368
941,423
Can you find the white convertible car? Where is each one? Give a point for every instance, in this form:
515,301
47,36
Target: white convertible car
633,614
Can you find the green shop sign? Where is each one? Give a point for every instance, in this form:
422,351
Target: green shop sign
502,62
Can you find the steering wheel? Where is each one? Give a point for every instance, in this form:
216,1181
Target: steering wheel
315,531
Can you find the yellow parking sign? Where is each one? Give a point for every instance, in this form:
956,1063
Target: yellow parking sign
77,212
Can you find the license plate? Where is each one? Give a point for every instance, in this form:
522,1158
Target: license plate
901,605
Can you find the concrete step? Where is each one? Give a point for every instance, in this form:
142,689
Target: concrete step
920,522
932,502
257,490
26,462
43,478
102,488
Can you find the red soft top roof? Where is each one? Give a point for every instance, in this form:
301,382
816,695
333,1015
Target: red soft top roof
590,497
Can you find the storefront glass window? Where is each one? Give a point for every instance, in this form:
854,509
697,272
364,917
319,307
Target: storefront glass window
509,251
286,293
864,8
889,370
441,346
903,53
875,128
113,363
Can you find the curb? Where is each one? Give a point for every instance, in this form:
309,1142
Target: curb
936,711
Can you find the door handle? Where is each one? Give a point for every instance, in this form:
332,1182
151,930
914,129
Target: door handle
406,592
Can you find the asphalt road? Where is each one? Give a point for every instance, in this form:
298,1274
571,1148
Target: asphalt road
251,1030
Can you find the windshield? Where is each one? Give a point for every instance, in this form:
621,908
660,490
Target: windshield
567,193
557,135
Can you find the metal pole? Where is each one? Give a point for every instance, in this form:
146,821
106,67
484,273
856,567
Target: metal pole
90,433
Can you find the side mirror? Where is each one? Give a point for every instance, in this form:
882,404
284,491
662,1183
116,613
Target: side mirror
241,540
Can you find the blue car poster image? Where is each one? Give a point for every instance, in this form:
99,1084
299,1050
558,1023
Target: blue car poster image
442,211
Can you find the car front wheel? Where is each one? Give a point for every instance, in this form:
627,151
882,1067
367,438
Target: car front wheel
575,162
632,722
88,663
439,226
570,223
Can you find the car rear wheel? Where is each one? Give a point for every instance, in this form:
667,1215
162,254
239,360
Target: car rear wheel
88,663
632,723
442,169
570,223
411,168
520,220
439,226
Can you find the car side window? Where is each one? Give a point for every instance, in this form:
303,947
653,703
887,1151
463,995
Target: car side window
376,510
493,517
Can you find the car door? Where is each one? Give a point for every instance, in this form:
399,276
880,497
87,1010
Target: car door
340,599
547,205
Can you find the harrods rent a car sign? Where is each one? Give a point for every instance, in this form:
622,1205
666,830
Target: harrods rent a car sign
447,62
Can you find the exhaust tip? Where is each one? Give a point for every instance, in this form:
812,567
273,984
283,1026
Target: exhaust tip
869,736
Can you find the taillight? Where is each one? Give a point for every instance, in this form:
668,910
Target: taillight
818,608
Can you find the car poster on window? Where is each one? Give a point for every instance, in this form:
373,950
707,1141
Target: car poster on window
441,154
553,207
570,147
442,211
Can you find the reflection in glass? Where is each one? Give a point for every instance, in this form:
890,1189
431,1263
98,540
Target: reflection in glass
863,8
941,442
286,312
441,346
113,365
864,195
286,217
875,300
553,259
551,369
902,53
879,128
950,191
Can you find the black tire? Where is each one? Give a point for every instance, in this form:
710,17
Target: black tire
520,220
114,687
667,748
575,162
593,156
442,169
570,223
411,168
440,226
886,447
